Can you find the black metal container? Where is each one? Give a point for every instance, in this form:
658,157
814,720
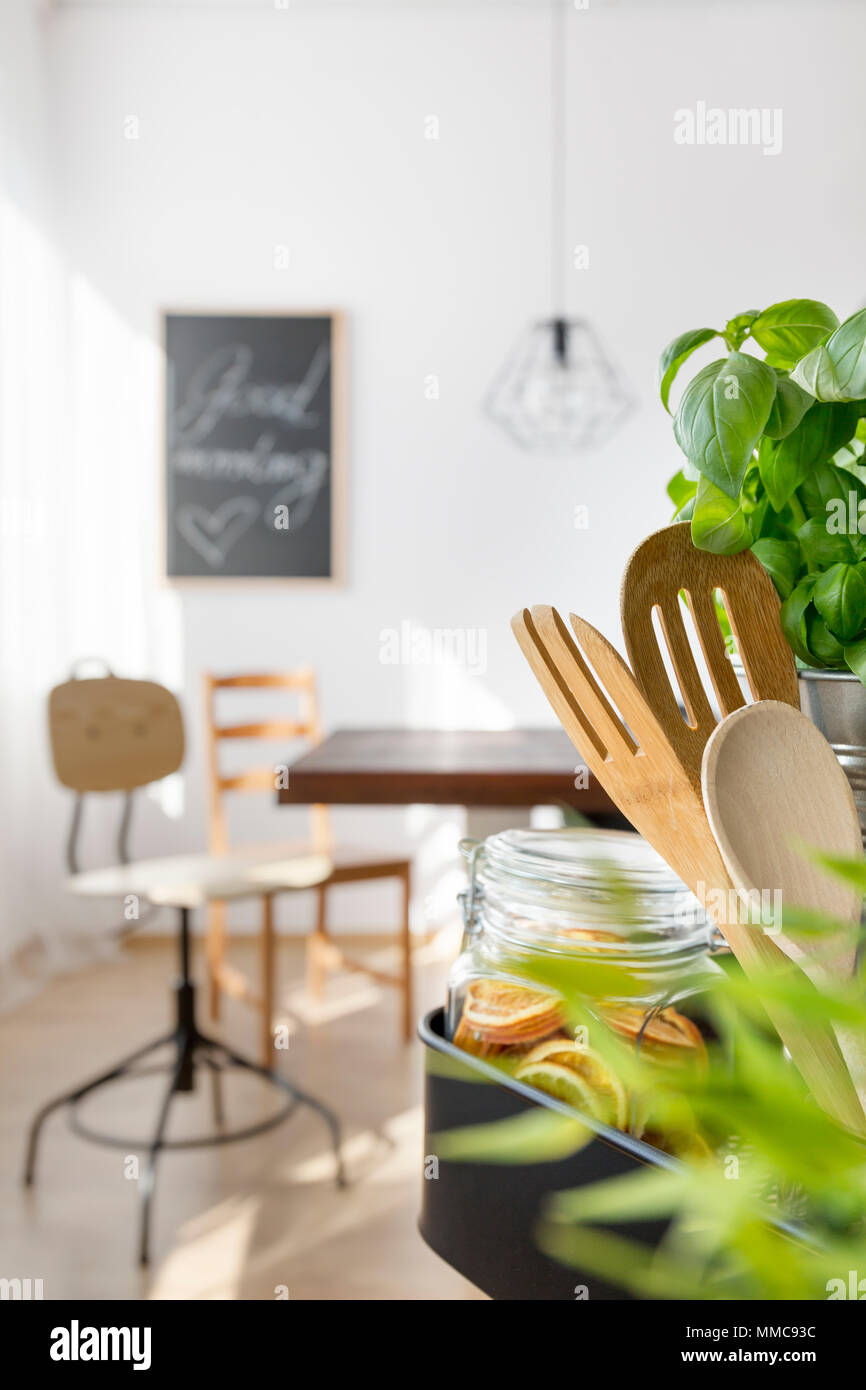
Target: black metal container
481,1217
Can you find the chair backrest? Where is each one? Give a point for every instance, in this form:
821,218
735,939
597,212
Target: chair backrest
261,778
109,734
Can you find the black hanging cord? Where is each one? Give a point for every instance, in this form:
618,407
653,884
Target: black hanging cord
558,163
557,157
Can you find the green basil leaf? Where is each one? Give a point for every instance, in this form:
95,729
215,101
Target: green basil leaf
757,514
767,524
764,520
823,486
697,400
737,328
846,515
793,618
816,374
781,473
718,521
721,418
855,659
824,648
785,464
845,512
686,511
675,354
753,489
850,456
836,370
820,433
840,598
792,328
854,471
781,560
840,425
822,548
791,461
788,408
680,489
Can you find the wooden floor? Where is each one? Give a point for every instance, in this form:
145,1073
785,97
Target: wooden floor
239,1221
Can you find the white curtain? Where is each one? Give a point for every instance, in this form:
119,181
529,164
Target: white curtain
35,489
78,517
78,561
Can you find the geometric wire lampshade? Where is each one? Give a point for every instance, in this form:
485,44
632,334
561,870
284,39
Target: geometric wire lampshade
557,390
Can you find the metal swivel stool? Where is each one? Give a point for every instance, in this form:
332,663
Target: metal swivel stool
109,734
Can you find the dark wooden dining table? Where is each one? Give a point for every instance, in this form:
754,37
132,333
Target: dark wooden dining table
471,768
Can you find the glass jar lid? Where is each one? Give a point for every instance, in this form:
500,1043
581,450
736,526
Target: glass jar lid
608,889
581,857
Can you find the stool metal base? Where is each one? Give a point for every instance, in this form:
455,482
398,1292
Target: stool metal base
192,1049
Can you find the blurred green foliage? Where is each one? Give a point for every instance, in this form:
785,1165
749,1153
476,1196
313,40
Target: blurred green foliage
778,1209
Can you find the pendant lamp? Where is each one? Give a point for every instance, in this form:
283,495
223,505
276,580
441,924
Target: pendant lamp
558,391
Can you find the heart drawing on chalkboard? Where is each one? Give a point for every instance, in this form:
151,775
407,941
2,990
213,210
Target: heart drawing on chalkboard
212,534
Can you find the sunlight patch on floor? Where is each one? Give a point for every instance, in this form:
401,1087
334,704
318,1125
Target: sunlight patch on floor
344,996
385,1155
251,1238
211,1253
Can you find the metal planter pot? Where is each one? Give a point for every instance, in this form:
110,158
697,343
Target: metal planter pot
482,1218
836,702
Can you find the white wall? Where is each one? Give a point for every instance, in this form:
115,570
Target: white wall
26,146
261,127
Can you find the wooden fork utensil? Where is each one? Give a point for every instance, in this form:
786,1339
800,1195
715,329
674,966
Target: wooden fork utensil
666,565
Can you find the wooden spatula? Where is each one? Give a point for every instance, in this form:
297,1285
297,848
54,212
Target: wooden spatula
635,764
773,788
665,564
641,772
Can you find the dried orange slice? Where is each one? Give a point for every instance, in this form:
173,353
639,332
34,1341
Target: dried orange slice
608,1099
562,1082
498,1011
669,1036
588,934
469,1042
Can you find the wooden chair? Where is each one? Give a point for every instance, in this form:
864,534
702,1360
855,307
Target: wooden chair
345,866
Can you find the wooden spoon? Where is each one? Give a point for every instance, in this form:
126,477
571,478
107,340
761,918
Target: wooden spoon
663,566
773,788
641,772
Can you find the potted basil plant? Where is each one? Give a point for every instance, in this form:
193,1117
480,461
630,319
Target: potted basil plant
774,439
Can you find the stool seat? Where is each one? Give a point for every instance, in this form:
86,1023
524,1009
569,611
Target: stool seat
192,880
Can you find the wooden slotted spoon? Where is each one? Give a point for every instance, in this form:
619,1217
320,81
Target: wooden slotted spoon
641,771
773,788
663,566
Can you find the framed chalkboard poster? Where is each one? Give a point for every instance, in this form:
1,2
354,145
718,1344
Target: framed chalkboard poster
253,445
